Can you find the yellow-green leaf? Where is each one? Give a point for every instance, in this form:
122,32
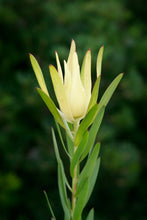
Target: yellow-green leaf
38,73
94,95
51,106
109,91
99,61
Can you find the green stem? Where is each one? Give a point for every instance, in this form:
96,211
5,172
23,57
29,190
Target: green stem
75,176
74,183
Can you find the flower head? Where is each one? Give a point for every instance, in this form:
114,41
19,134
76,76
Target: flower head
73,90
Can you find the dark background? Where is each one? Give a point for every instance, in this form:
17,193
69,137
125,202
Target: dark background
27,160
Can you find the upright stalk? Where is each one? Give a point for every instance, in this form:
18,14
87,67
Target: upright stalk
74,183
74,179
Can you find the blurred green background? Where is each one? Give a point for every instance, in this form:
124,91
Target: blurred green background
27,160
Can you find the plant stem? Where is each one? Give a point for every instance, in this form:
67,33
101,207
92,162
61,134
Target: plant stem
74,179
74,183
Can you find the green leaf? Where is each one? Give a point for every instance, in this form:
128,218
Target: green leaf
90,215
55,145
94,95
99,61
58,157
60,135
49,205
81,201
93,178
78,153
80,185
85,124
109,91
62,189
51,106
93,132
89,166
38,73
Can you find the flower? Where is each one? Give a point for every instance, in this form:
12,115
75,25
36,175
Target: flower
73,91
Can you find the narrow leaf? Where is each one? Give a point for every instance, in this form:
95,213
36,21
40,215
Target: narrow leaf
86,73
109,91
99,61
90,215
51,106
38,73
62,190
80,185
60,135
81,201
94,95
93,132
78,153
93,178
85,124
55,145
58,158
49,205
89,166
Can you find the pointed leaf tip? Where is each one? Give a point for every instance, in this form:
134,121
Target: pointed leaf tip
99,60
38,73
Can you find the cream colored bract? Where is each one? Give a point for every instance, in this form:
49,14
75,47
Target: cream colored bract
73,91
77,91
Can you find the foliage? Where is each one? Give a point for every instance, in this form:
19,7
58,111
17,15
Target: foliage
26,149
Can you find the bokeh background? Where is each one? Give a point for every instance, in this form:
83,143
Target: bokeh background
27,160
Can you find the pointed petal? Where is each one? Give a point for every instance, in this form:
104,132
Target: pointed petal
78,96
59,67
76,67
86,74
38,73
70,58
60,93
99,61
67,81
